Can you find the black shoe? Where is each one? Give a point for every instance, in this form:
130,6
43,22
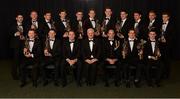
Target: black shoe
22,85
116,84
45,83
128,84
107,84
79,84
64,85
137,84
56,84
35,84
157,85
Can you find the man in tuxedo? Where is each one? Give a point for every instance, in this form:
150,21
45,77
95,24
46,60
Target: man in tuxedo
52,56
92,22
152,57
32,54
63,25
91,53
34,23
108,22
153,23
165,38
131,56
47,24
112,56
71,59
139,26
77,25
123,25
17,37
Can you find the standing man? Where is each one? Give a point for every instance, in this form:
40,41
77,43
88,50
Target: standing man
108,22
17,36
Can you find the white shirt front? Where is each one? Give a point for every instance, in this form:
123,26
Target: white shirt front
107,20
31,44
49,24
51,44
80,23
93,22
123,21
151,23
136,24
64,22
71,46
91,45
153,46
164,26
35,23
131,43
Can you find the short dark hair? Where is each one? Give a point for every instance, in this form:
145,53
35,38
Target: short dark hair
139,12
46,12
52,30
166,13
62,10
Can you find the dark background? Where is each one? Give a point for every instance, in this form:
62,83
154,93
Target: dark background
9,9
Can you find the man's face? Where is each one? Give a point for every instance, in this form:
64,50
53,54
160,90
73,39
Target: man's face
152,16
111,34
152,35
90,33
31,34
71,35
165,18
79,15
108,12
131,34
123,15
63,15
52,34
47,16
19,18
34,15
137,16
92,14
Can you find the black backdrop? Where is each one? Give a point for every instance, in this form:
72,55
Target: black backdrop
9,9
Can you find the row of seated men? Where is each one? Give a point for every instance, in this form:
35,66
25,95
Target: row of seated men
164,30
84,57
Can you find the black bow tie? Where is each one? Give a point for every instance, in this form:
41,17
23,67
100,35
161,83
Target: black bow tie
48,22
90,40
34,21
131,40
64,20
92,20
107,18
153,41
31,40
51,40
164,23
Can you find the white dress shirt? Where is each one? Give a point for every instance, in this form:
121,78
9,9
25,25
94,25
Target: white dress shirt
49,24
123,21
93,22
137,23
107,20
153,46
164,26
91,45
31,44
51,42
131,43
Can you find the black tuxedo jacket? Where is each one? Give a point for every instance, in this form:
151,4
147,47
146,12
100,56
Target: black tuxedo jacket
67,50
109,51
60,28
74,25
126,27
37,50
132,56
86,52
148,49
45,29
38,30
56,51
15,42
87,24
141,34
110,24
